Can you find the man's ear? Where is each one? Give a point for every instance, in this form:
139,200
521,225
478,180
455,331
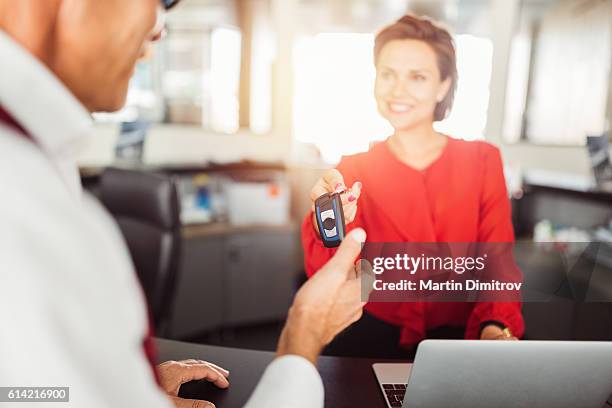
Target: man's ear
444,88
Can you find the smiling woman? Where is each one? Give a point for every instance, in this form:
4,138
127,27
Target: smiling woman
419,185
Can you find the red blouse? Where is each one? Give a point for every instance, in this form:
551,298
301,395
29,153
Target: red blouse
460,197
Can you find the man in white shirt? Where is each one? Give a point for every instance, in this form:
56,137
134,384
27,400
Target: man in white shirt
71,310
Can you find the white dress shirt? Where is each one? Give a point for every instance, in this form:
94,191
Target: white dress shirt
72,313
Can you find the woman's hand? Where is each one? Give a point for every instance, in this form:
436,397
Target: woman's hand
493,332
172,374
332,182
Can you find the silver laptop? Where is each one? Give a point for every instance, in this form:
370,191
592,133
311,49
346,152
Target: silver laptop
508,374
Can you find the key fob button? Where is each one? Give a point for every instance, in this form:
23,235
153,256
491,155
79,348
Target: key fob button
330,233
329,224
328,214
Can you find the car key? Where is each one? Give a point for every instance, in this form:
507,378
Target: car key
330,219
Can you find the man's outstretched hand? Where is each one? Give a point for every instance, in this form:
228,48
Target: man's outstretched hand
325,305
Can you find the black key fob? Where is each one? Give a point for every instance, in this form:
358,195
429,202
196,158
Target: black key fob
330,219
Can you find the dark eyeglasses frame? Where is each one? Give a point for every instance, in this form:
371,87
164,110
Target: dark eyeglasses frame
168,4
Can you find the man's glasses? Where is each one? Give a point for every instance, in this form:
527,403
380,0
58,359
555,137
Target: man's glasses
168,4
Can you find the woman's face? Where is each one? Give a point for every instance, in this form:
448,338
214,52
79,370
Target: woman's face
408,85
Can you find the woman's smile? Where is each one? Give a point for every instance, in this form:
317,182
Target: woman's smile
399,107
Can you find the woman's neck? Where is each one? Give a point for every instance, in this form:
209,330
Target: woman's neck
418,146
417,139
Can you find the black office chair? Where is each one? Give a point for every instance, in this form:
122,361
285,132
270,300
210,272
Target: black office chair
146,207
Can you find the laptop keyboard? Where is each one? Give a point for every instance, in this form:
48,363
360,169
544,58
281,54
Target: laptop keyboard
395,394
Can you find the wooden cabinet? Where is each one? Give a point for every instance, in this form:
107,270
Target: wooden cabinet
198,303
234,276
259,277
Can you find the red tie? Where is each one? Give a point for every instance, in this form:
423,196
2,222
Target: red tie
148,344
8,120
150,350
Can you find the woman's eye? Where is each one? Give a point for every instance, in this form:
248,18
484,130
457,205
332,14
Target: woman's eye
419,77
385,75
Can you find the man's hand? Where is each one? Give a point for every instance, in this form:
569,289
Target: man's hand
172,374
325,305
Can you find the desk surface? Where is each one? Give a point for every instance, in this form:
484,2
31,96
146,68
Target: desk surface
349,382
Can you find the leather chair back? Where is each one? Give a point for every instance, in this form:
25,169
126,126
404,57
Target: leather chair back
146,207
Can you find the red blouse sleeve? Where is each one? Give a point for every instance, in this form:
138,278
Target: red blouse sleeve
495,226
315,253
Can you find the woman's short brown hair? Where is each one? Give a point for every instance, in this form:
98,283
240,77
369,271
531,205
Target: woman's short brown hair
439,39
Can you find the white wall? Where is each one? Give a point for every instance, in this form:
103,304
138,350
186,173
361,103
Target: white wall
569,159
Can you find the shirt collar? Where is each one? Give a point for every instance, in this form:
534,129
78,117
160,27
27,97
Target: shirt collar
41,103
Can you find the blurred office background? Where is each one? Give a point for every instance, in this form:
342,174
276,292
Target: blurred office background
246,102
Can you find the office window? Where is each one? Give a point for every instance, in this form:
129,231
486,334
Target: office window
468,117
224,80
559,78
195,74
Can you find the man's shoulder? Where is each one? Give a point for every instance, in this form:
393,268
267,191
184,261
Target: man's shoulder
25,172
36,206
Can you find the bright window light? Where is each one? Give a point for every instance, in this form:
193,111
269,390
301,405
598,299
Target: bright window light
224,79
468,118
334,106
